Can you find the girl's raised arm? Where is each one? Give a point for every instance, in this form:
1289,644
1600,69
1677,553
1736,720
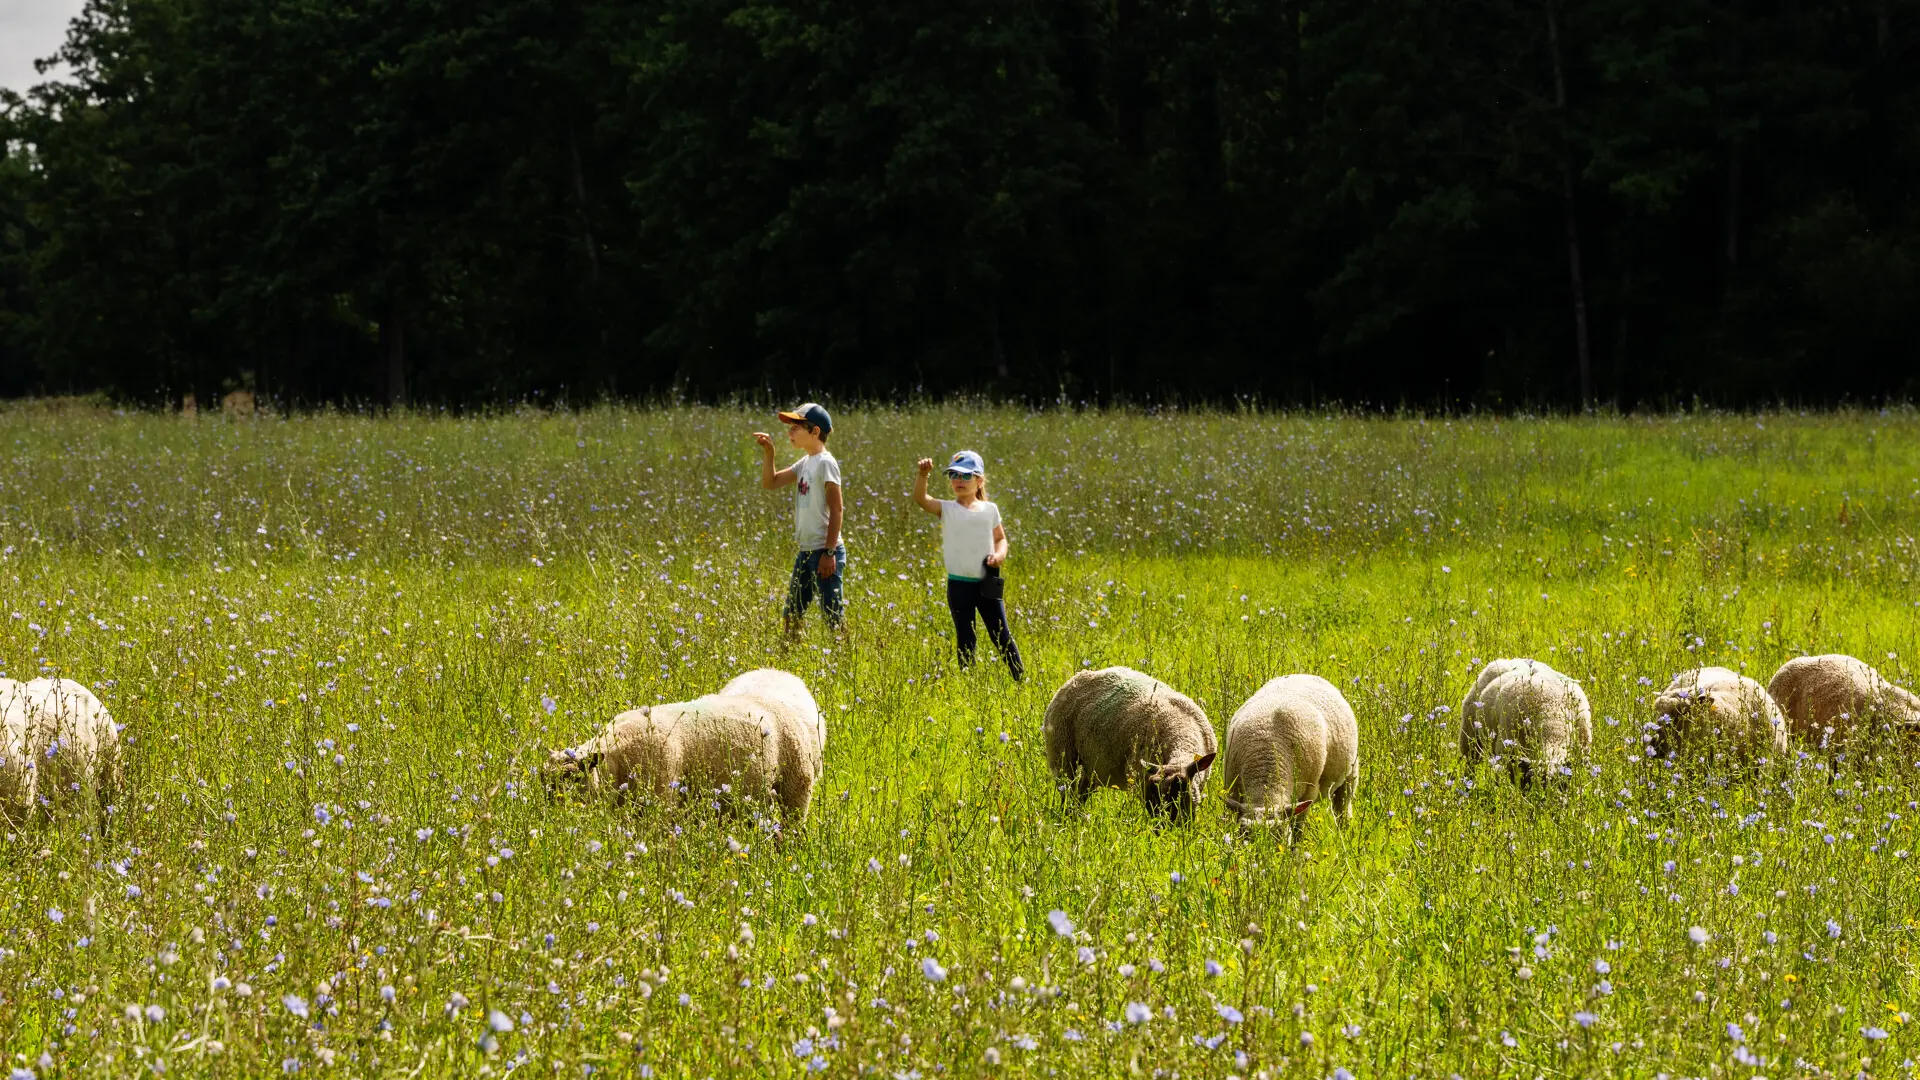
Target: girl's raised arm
927,502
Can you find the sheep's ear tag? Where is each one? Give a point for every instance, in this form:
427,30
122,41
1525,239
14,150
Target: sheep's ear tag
1199,765
1148,767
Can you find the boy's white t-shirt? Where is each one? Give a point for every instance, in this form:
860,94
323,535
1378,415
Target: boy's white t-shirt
811,476
966,537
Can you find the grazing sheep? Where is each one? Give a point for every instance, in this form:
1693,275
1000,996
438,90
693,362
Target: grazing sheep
237,403
1525,713
59,745
1101,724
1292,743
1720,710
1827,698
761,745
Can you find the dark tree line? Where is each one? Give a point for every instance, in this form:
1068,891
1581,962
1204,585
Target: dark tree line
1618,201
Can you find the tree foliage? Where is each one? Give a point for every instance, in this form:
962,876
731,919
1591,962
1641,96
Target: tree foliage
1458,200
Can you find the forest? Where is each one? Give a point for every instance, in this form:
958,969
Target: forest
1417,204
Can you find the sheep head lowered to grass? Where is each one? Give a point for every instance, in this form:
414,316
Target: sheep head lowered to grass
1171,790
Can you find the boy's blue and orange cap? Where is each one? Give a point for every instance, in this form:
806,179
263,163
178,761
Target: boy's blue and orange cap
966,463
809,413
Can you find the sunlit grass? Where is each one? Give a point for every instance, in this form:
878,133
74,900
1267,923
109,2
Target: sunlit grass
342,645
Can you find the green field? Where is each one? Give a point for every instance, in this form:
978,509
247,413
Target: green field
341,647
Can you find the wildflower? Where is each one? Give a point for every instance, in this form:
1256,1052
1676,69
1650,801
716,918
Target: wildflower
296,1005
155,1014
932,970
1601,967
499,1021
548,704
1873,1034
1339,1072
1138,1013
1086,954
1228,1013
1060,923
1734,1032
1213,969
1698,934
55,915
1833,929
386,993
1584,1019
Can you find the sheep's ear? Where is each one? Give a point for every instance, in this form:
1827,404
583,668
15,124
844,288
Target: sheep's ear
593,759
1199,765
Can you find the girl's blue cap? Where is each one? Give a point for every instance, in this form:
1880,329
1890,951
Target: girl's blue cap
966,463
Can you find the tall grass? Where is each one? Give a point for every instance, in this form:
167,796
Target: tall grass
341,646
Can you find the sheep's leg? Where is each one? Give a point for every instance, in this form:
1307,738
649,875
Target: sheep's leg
1083,787
1343,799
795,793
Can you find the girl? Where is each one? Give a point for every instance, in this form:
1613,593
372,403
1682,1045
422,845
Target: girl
975,545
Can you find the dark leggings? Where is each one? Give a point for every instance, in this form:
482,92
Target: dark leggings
963,599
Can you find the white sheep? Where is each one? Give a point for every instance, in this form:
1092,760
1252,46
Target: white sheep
1103,725
1828,698
1294,742
1525,714
60,747
765,746
786,693
1720,711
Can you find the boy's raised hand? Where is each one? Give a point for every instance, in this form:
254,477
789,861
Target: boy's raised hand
765,440
925,466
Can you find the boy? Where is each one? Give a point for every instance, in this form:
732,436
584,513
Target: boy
822,562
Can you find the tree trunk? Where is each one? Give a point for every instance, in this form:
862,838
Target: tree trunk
1574,274
580,197
393,341
1733,211
1131,76
999,345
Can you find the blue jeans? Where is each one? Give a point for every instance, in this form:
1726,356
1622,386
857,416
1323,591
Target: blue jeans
806,580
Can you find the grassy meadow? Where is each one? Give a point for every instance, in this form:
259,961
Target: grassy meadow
343,645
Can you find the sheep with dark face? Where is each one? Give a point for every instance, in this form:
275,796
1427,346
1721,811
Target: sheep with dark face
1719,712
1526,715
58,747
1116,726
1828,699
762,745
1294,742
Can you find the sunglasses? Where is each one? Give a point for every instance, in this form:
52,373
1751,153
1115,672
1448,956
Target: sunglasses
955,475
